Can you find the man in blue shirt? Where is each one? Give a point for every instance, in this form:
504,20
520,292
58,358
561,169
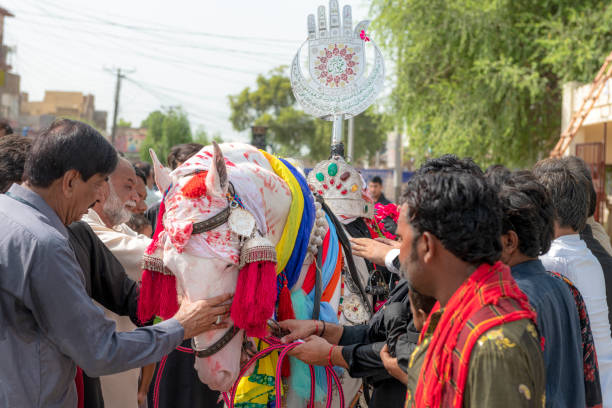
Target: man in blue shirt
48,323
527,233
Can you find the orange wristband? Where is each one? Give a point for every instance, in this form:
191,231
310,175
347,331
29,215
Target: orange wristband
329,358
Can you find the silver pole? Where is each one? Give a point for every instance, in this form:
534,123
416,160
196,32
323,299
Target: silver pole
397,173
337,129
351,139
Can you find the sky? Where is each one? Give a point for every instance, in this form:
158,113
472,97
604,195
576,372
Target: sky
179,52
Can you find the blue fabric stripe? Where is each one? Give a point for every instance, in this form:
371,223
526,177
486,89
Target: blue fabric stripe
294,265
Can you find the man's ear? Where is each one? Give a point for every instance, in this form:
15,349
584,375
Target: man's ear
510,242
69,182
428,247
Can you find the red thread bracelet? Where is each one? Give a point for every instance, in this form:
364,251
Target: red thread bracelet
329,358
316,328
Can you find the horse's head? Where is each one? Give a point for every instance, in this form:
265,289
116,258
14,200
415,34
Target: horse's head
202,246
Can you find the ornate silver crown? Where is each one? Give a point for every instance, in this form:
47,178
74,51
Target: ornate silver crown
342,187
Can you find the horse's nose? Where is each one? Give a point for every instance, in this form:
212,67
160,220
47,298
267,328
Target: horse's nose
221,380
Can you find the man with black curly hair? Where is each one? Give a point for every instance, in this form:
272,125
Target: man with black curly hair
527,231
480,346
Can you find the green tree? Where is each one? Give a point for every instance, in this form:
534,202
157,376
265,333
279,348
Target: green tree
165,129
483,78
290,131
201,136
124,123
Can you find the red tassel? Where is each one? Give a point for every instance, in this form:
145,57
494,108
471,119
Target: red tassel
168,303
255,297
148,299
157,291
196,187
285,306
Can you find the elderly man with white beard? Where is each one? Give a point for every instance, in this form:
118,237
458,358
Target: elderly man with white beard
107,219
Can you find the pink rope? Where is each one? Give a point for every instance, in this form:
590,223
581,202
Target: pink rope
160,372
286,348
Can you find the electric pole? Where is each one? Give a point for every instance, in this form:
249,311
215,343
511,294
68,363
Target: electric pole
120,75
116,110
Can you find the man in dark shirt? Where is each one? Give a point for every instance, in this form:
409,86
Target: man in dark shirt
527,231
107,283
375,190
361,345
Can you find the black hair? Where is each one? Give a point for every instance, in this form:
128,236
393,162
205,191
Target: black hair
141,174
145,168
137,222
420,301
68,145
461,209
497,175
376,179
14,150
528,211
181,153
4,125
578,166
567,191
448,163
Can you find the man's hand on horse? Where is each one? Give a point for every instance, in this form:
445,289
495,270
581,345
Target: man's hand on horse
317,351
299,329
391,365
372,250
204,315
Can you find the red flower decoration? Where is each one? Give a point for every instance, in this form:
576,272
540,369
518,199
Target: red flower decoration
383,211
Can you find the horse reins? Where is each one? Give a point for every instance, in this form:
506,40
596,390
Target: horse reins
275,344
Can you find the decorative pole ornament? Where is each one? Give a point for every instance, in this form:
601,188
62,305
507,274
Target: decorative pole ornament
337,87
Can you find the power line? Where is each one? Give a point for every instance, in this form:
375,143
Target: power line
94,18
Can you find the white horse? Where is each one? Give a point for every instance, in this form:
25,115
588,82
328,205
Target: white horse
202,248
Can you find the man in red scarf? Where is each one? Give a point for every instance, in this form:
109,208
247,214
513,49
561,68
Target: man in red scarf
480,346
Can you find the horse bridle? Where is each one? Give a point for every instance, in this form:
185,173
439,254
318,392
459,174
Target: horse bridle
198,228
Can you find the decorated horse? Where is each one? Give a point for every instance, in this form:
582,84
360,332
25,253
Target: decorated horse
237,219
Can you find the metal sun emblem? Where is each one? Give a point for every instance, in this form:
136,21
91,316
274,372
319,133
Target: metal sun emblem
337,84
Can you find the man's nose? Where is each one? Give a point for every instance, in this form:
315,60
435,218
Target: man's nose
134,196
100,194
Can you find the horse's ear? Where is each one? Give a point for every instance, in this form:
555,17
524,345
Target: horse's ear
216,179
162,174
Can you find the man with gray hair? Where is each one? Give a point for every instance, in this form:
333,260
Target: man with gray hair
48,322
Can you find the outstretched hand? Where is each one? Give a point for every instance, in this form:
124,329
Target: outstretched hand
372,250
314,351
202,315
298,329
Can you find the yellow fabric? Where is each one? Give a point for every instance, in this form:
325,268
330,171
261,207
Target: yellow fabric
285,245
258,388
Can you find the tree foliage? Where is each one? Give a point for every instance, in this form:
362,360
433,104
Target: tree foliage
201,136
483,78
291,132
124,123
165,128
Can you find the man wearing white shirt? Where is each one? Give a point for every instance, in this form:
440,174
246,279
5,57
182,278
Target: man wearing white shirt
107,219
569,256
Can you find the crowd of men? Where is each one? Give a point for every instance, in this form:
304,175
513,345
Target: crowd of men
504,301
